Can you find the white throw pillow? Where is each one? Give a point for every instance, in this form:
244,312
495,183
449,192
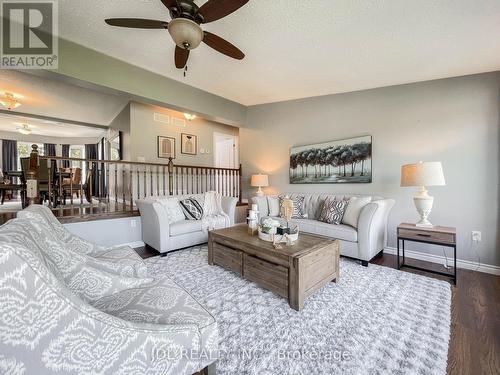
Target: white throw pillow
172,209
274,206
353,210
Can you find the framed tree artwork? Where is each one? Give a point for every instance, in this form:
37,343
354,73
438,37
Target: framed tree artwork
189,144
337,162
166,147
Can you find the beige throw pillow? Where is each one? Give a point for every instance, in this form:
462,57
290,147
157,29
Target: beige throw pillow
354,207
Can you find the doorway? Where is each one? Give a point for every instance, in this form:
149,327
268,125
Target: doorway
226,151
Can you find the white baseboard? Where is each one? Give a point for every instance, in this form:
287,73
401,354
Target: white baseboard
133,244
439,259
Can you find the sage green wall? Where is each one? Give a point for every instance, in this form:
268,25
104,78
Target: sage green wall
122,122
144,131
455,121
88,68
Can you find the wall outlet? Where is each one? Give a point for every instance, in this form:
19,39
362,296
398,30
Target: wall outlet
476,236
133,223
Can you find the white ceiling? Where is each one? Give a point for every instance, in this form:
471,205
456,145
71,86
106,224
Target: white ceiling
10,123
296,49
47,97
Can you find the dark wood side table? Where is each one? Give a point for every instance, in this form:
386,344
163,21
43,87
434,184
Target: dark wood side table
441,236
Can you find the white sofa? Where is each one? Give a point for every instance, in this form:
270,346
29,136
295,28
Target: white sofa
163,236
363,243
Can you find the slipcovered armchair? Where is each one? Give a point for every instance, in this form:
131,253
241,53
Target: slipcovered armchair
123,255
60,315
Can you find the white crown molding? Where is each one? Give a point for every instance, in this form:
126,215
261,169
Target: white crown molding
439,259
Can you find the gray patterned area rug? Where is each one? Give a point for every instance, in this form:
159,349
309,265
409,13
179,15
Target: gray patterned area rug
376,320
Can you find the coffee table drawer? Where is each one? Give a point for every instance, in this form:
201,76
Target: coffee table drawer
228,258
426,235
268,275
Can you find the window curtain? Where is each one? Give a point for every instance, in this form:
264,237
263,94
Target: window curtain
65,154
91,152
9,158
49,149
9,155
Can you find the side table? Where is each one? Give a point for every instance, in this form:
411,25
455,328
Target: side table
441,236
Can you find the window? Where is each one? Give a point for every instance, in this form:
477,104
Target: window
77,152
24,151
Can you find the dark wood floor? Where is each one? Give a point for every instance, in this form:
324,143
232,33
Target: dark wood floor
475,316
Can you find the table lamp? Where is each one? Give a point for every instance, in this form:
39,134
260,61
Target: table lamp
259,180
423,174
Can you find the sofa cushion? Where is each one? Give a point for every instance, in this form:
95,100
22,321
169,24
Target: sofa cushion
353,210
172,209
184,227
333,211
262,205
340,232
274,206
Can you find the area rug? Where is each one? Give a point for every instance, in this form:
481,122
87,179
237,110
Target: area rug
375,320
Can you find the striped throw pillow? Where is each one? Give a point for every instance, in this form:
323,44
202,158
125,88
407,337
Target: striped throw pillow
192,209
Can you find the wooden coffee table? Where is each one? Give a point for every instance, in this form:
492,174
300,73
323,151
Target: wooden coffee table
293,272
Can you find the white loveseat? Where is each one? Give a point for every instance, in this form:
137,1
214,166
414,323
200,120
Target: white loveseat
363,242
165,236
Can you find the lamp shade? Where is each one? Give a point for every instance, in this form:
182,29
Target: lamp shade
422,174
259,180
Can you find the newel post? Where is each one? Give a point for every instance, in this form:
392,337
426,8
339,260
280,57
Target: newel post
239,185
32,176
170,176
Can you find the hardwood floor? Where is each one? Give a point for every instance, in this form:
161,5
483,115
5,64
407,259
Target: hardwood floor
475,316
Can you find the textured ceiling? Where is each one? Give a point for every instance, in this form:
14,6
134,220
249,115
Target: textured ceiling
298,49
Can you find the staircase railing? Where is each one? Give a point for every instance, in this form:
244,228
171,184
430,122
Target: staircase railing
112,186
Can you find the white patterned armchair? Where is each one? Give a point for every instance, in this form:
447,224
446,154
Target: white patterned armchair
63,311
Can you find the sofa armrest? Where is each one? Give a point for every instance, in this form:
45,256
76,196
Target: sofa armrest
372,228
49,341
155,225
229,207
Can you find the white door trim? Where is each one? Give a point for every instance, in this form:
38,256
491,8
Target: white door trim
236,148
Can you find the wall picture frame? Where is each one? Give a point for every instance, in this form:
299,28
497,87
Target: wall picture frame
344,161
189,144
166,147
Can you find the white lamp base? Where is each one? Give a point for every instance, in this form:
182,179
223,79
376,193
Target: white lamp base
423,203
260,193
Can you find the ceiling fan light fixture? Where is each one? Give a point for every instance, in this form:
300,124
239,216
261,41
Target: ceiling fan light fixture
9,101
186,34
189,116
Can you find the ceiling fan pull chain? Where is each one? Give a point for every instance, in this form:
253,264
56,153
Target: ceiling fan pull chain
185,70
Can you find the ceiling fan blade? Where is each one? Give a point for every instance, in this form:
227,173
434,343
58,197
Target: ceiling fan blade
181,57
169,3
213,10
137,23
223,46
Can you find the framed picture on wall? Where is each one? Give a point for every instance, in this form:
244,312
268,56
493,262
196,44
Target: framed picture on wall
344,161
166,147
189,144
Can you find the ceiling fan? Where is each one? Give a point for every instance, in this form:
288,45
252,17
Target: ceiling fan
185,27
